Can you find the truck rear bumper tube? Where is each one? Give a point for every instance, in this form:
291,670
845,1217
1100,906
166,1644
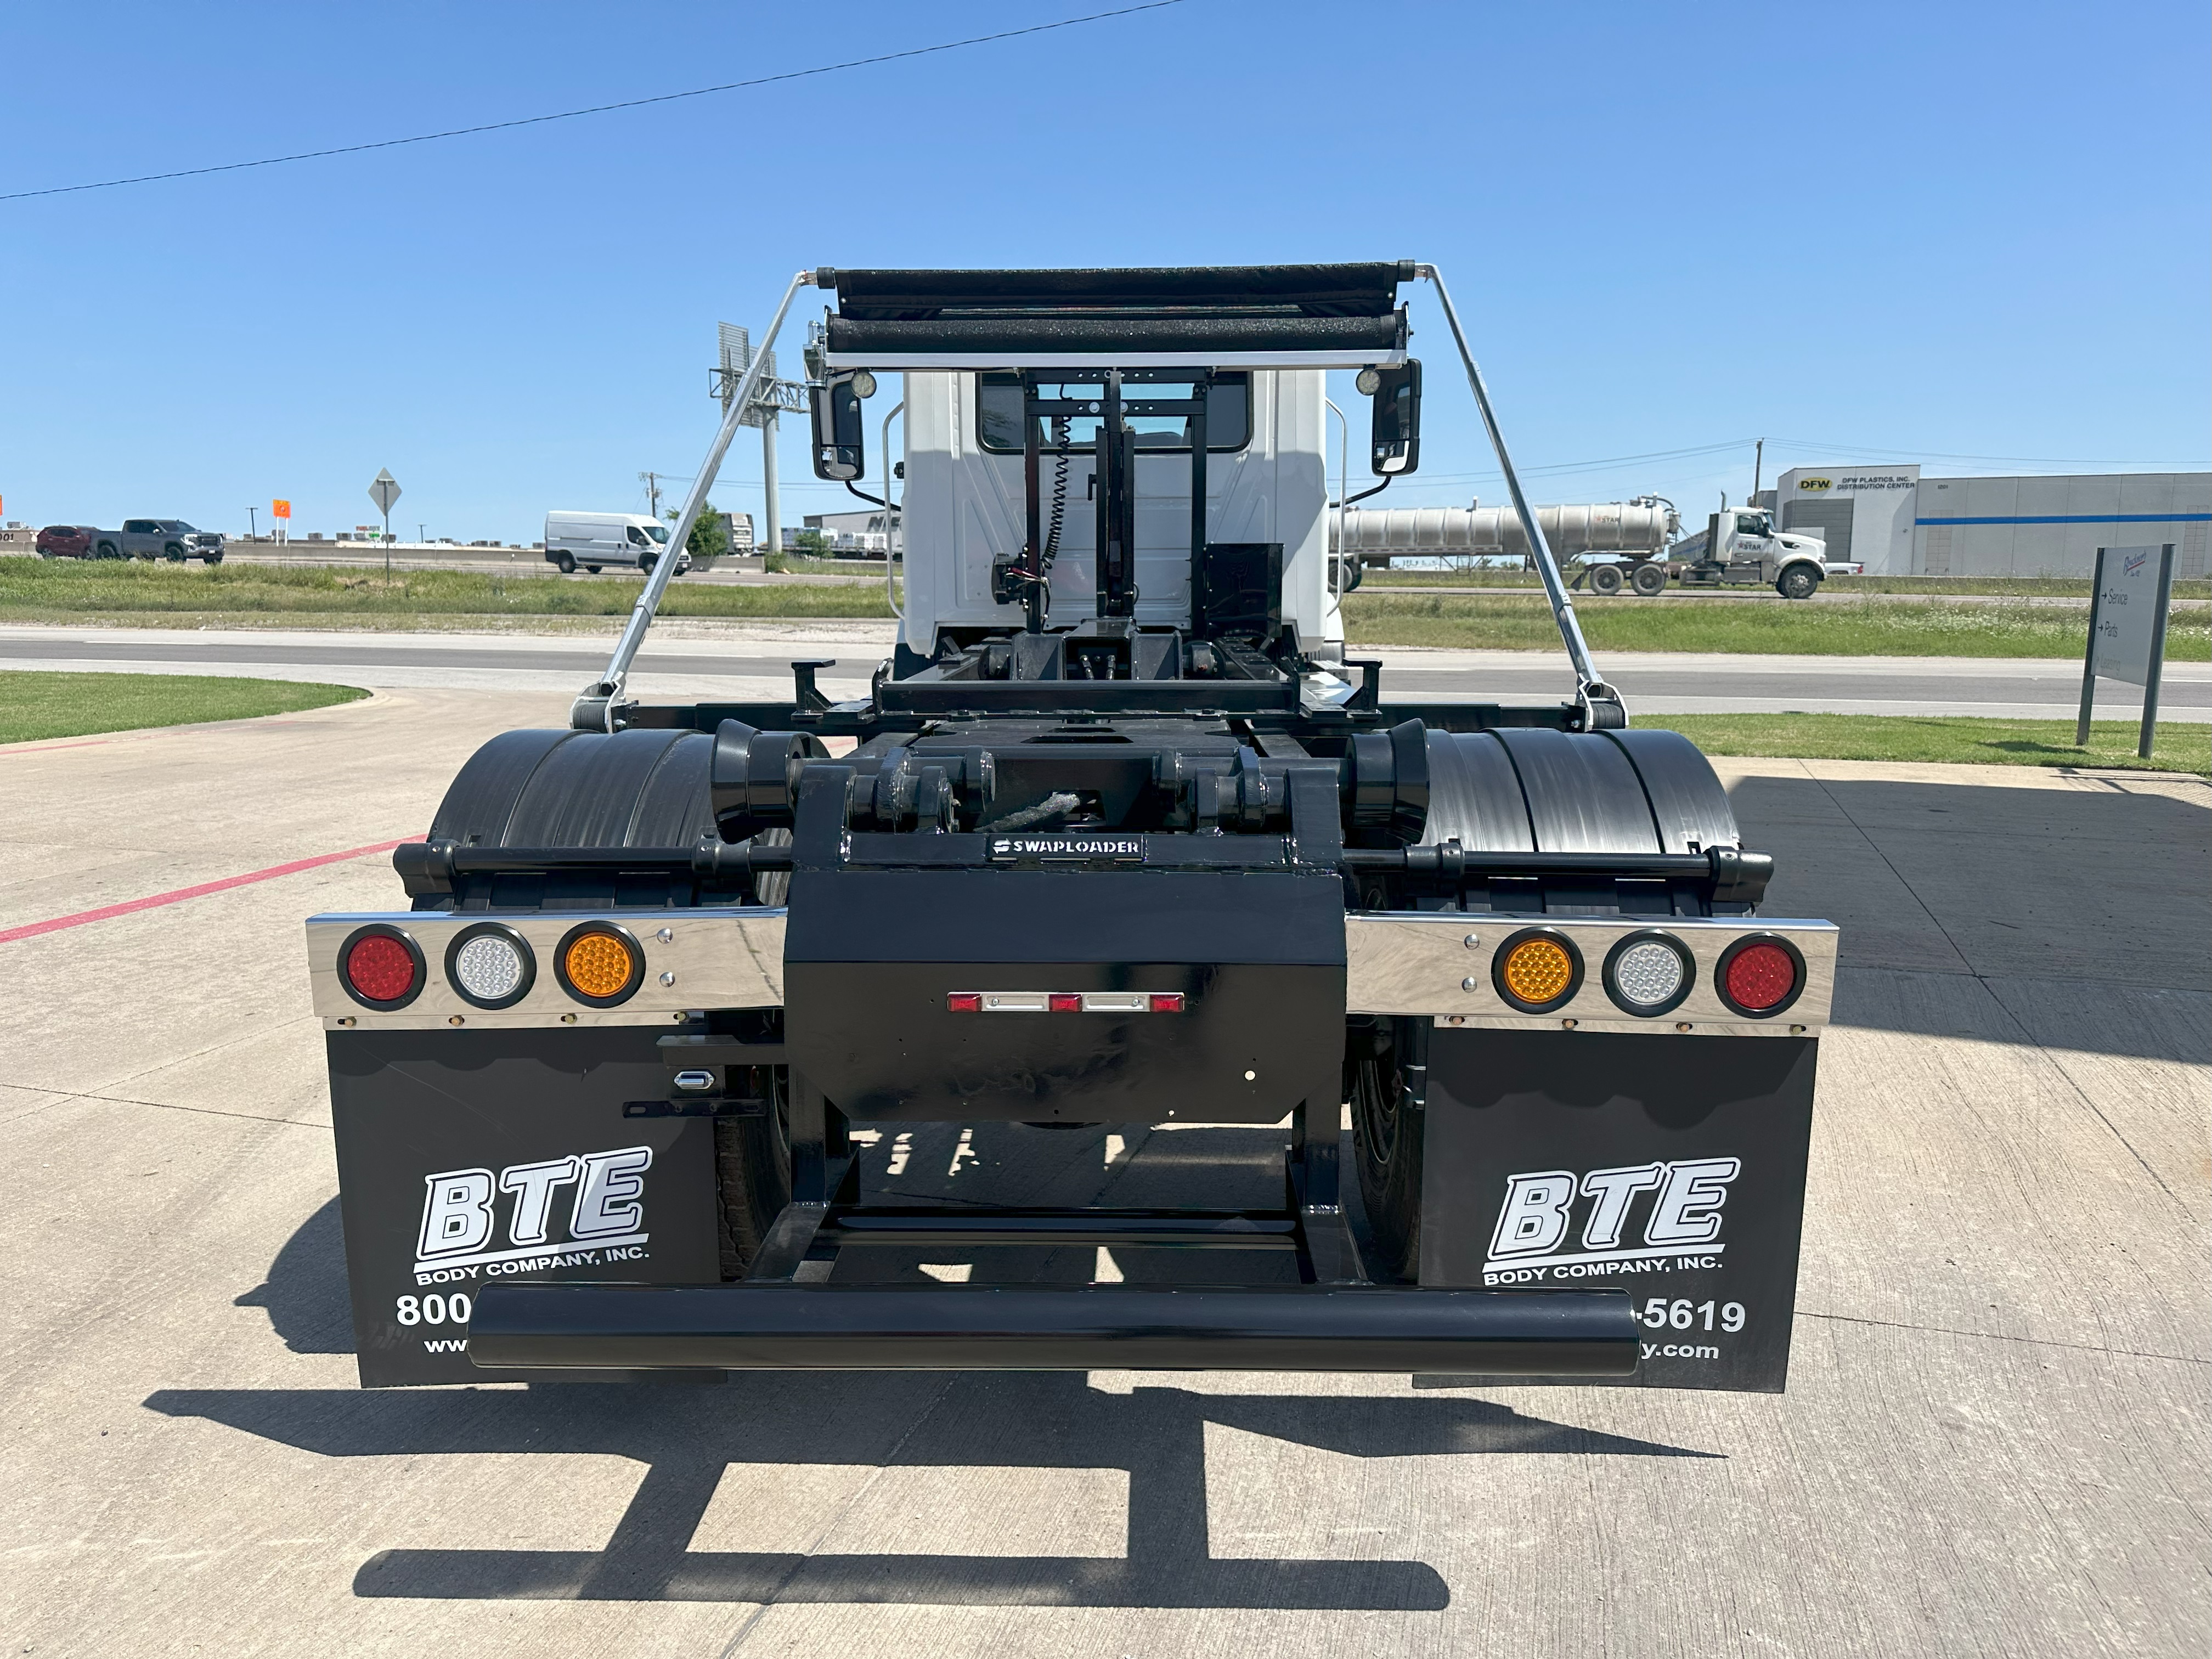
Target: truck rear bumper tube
784,1327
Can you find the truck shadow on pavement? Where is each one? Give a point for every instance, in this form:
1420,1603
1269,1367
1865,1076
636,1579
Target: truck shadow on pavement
687,1437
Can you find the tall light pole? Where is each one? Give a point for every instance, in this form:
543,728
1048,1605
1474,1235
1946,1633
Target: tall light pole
773,526
251,534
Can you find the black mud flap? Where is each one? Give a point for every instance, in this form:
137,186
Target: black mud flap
1673,1167
468,1158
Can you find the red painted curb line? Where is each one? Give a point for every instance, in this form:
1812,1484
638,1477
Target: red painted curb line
31,929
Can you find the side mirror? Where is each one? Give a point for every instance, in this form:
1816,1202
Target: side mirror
839,455
1396,446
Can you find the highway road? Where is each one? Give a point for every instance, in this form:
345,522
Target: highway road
747,661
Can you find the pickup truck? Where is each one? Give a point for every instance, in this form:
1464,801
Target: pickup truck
158,538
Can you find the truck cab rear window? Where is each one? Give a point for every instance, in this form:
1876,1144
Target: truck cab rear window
1228,414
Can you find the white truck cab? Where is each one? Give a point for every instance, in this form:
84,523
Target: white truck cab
964,501
1741,547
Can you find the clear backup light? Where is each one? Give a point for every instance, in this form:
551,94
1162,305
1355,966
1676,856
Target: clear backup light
1649,974
490,965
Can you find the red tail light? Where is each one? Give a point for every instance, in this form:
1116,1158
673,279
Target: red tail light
381,969
1760,975
964,1002
1064,1002
1167,1002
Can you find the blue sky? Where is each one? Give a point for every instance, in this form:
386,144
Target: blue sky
1873,233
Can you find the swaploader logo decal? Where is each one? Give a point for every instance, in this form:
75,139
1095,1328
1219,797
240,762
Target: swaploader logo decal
461,1210
1680,1221
1118,847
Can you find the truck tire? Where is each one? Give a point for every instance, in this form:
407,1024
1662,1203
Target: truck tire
1514,790
106,551
635,788
1797,582
566,564
1605,579
1648,579
214,558
174,553
593,568
752,1174
1387,1147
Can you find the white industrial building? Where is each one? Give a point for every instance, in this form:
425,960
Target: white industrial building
1899,523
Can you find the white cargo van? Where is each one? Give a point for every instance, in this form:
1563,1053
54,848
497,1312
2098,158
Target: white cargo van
598,539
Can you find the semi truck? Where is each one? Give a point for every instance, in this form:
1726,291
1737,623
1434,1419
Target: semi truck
1121,833
1739,547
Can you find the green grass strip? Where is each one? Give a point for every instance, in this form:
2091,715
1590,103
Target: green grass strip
35,704
65,589
1954,739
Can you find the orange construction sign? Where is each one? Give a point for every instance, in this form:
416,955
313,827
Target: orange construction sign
280,509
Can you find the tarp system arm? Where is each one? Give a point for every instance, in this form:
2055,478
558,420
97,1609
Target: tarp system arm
596,709
1601,706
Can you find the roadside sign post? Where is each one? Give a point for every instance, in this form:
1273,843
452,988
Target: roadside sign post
2127,631
282,512
384,489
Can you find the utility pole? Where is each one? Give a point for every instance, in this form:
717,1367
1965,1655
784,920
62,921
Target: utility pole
1758,466
652,482
250,533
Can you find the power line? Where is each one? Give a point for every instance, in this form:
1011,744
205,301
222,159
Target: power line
599,109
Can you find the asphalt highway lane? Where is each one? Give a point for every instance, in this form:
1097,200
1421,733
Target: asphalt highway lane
755,661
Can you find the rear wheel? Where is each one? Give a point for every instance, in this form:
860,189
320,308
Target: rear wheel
566,564
752,1169
1386,1138
1647,579
1605,579
106,551
1796,583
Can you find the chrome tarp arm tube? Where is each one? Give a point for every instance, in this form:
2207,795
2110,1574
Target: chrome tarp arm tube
595,710
1600,703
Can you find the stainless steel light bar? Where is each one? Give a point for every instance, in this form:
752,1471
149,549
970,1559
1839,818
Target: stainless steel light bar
595,710
1590,690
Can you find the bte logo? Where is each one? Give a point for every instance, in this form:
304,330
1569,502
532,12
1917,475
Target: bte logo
1816,483
1682,1216
460,1209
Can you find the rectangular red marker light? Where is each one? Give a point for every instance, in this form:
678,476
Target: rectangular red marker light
1064,1002
1167,1002
964,1002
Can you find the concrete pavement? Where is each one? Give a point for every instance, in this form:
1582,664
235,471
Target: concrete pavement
688,658
1994,1442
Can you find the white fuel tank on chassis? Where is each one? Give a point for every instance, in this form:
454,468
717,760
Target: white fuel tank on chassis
964,494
